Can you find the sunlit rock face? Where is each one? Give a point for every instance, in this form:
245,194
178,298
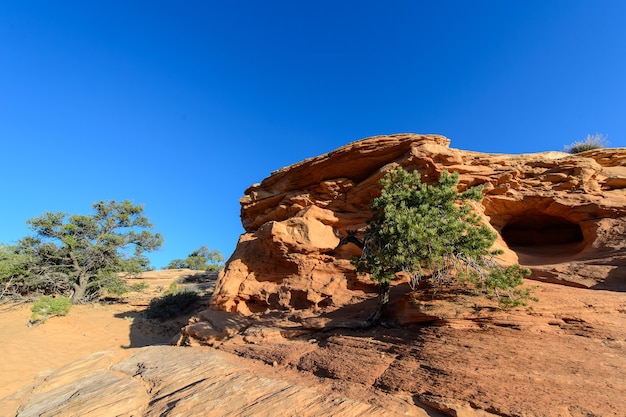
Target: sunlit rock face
560,214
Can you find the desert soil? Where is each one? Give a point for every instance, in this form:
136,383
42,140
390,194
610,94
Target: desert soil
26,351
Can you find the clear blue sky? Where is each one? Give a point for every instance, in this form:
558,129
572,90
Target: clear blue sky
181,105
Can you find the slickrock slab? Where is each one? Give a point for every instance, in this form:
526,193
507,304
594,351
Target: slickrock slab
165,380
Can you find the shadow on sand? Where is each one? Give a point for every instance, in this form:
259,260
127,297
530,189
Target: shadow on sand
146,331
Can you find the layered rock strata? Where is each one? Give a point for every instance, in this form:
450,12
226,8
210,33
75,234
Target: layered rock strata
164,380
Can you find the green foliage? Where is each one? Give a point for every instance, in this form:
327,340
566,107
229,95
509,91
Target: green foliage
597,141
430,231
13,271
172,305
173,288
134,265
138,287
82,253
501,282
48,306
116,286
11,262
201,259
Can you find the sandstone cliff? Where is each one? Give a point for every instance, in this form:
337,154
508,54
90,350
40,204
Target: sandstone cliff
560,214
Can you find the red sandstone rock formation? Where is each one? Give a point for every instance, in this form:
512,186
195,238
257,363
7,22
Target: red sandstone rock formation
560,214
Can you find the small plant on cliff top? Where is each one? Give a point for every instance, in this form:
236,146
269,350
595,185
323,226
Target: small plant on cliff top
429,231
597,141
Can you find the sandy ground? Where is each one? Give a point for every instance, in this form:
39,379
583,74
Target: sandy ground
27,351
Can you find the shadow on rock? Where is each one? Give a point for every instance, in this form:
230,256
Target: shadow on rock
152,332
615,279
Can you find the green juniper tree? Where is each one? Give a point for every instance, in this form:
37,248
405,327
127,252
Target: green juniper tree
13,271
202,259
80,254
430,231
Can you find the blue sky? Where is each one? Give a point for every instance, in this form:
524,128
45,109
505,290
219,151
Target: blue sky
182,105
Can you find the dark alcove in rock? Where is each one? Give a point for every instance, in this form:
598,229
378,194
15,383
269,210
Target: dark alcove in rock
542,235
533,228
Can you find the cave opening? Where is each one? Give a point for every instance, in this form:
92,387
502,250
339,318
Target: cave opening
534,229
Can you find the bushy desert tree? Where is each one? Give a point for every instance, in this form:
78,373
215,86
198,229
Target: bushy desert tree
430,232
13,271
79,254
202,259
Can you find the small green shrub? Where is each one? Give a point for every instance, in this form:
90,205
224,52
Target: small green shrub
597,141
173,288
171,305
117,286
208,276
138,287
48,306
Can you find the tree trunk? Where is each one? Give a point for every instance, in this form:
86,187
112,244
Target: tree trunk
80,290
383,300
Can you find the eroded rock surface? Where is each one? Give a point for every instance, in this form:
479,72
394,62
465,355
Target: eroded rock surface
564,357
163,380
560,214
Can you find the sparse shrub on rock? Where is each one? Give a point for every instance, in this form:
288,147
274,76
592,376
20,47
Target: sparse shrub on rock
116,287
172,289
591,142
